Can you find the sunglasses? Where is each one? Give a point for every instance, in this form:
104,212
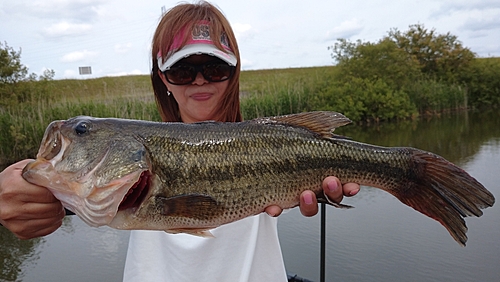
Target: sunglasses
184,73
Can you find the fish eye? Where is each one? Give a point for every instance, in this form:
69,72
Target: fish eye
82,128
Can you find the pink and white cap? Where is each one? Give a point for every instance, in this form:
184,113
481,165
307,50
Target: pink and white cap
199,43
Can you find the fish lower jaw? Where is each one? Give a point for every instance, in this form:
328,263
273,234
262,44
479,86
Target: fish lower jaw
94,214
96,220
100,206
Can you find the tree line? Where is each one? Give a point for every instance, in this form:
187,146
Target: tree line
407,73
16,85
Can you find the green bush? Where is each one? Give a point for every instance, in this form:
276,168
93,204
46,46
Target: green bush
438,56
482,83
364,100
374,61
436,96
435,71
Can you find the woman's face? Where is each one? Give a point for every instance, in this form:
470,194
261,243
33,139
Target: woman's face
198,99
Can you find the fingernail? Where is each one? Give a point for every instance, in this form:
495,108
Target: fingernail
354,192
332,186
308,199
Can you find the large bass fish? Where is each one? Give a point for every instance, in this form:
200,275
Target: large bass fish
189,178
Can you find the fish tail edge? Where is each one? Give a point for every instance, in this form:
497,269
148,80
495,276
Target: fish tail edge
444,192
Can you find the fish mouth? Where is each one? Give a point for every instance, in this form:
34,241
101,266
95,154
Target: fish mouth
137,192
53,143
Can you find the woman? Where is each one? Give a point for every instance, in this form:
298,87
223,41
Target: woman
195,76
247,250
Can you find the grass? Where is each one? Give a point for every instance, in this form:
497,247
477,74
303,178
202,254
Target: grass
281,91
101,89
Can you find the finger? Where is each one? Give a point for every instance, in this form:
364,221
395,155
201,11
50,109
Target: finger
350,189
274,211
333,189
31,211
308,203
15,188
19,166
35,228
47,230
36,194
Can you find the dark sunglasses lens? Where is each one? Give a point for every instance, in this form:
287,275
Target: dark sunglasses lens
182,74
217,72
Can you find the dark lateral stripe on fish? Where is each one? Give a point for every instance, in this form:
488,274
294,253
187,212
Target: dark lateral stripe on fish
196,206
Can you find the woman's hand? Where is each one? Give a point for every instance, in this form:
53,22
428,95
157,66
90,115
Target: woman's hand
333,189
27,210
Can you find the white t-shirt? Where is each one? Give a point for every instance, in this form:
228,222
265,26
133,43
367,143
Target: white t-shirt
245,250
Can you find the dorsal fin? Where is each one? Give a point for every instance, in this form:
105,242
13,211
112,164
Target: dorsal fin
321,122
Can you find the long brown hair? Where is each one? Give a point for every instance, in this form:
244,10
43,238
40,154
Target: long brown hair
172,22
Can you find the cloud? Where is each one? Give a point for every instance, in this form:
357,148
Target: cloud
66,29
464,6
482,23
123,48
478,25
77,10
346,29
469,5
78,56
240,28
243,31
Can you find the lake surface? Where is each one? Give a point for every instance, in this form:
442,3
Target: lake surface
379,240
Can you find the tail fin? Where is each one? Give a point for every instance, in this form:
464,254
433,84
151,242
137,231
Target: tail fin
444,192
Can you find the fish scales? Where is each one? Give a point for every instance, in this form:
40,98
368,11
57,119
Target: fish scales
192,177
243,168
253,164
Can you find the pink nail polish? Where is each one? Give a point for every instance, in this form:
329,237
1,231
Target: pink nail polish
308,199
332,186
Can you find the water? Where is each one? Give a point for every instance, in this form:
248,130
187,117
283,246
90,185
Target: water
379,240
73,253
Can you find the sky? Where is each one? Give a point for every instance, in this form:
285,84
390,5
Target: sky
113,37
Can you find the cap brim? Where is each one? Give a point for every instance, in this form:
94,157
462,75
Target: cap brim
197,49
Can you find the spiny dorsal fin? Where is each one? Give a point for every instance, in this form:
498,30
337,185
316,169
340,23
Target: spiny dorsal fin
321,122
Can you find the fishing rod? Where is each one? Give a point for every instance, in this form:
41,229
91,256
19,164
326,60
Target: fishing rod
322,247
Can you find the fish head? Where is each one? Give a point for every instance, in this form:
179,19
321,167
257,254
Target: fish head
90,165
